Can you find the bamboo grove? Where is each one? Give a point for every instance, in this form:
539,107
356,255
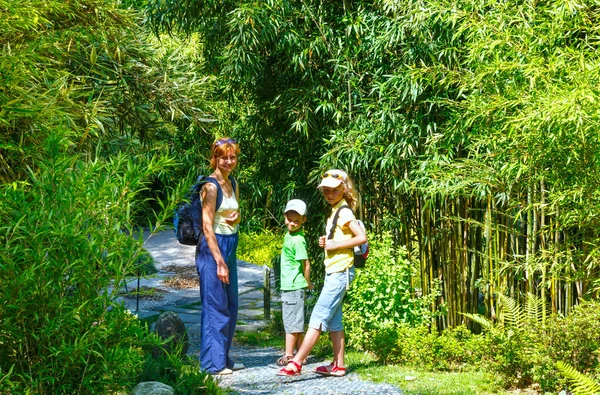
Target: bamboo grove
470,127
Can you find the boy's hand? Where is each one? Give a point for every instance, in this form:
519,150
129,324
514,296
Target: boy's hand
310,286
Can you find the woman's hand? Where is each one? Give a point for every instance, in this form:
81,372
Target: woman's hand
233,218
223,272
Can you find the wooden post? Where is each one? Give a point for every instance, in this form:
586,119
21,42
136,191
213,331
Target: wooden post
267,292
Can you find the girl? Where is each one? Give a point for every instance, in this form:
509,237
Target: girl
216,260
339,273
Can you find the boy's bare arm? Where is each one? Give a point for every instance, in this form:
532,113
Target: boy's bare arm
306,271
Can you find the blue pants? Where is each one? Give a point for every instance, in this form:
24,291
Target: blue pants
219,304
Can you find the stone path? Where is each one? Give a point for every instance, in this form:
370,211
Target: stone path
259,376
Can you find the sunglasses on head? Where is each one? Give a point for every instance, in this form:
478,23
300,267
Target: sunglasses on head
224,141
333,175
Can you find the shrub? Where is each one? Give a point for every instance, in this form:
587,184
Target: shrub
259,247
524,350
382,294
182,374
575,339
63,247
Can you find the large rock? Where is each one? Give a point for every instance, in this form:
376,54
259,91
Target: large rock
170,325
152,388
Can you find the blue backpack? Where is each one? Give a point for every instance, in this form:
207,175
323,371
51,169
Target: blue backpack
187,222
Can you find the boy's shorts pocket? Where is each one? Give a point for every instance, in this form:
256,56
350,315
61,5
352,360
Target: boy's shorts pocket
292,310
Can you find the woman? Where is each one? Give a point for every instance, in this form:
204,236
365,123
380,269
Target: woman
344,234
216,260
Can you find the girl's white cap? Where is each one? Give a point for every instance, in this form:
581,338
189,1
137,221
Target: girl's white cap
332,178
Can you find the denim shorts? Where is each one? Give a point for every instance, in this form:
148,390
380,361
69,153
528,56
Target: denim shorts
327,313
292,310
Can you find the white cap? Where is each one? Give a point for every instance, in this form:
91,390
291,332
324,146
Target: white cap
333,178
296,205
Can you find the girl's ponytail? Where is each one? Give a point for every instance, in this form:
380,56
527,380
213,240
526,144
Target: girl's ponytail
350,194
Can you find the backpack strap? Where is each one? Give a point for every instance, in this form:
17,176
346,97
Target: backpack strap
335,220
220,190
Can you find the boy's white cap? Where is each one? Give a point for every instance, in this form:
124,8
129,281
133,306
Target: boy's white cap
296,205
332,178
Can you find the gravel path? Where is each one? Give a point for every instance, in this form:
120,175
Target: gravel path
259,377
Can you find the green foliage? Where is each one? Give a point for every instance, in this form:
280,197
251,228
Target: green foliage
382,294
182,374
514,354
470,382
512,315
66,239
522,347
518,348
419,347
576,337
259,248
88,67
582,384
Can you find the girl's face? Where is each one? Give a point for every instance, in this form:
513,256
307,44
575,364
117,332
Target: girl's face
227,161
333,195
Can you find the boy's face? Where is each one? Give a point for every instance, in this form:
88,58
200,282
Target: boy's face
293,220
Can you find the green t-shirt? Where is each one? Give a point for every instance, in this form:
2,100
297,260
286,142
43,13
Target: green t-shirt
293,253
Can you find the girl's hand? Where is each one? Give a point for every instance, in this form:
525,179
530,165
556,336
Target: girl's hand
322,241
330,245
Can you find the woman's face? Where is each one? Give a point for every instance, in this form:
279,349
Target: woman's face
333,195
227,161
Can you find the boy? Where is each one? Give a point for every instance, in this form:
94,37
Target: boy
295,277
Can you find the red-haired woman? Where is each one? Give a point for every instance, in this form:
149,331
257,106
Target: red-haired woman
216,260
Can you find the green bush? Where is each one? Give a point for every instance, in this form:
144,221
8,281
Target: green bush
419,347
65,241
576,338
525,355
259,247
382,294
182,374
512,354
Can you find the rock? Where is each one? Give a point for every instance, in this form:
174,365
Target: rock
152,388
169,324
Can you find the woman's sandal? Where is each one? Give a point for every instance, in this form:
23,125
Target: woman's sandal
290,372
283,361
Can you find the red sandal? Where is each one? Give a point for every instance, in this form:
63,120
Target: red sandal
325,370
290,372
331,370
338,371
